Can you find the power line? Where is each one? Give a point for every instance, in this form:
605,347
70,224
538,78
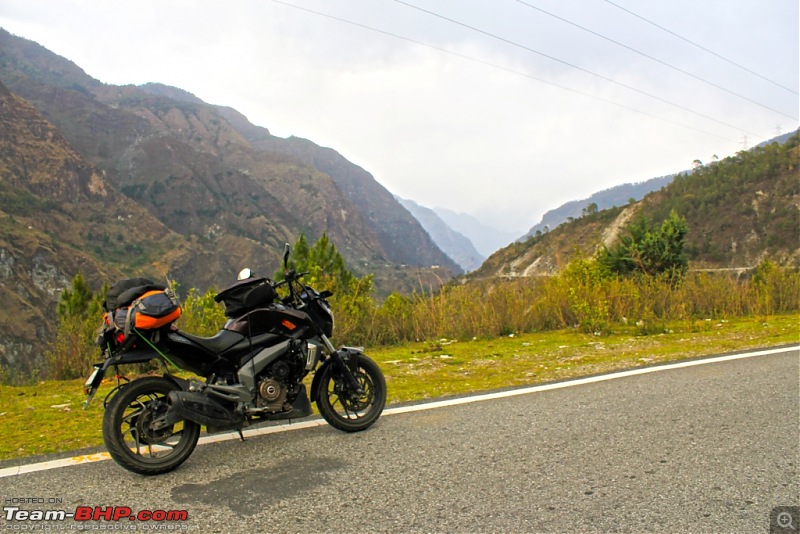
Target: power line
577,67
531,77
687,73
505,69
701,47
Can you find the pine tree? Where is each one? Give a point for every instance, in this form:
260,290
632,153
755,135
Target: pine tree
79,311
323,262
74,301
327,269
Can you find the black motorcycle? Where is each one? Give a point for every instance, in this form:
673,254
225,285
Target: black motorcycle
253,369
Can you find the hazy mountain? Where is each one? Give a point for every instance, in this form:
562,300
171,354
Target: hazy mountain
608,198
454,244
485,238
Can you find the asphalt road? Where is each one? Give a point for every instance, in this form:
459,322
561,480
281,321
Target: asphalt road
711,448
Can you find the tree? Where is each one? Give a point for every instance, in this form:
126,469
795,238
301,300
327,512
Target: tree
322,261
591,209
74,301
649,250
326,268
71,353
352,296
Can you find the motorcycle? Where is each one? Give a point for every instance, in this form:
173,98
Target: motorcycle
253,369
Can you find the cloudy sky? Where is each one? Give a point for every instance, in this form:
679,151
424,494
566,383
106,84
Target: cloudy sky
501,109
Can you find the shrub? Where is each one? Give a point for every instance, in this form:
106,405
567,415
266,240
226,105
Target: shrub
648,250
72,352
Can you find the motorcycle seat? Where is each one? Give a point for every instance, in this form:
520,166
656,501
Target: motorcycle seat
221,341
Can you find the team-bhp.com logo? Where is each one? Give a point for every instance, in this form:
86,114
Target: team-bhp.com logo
97,513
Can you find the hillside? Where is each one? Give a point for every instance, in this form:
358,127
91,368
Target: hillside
608,198
211,176
740,210
59,215
395,228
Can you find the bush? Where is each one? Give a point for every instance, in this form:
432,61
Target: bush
645,249
586,295
200,315
79,312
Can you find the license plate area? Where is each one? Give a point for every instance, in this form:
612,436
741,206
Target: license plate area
91,378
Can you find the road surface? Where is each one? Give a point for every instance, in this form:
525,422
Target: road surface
708,448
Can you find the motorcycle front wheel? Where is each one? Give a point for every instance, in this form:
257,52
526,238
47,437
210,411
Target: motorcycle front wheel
347,410
128,435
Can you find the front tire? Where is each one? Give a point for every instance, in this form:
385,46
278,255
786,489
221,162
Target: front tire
130,440
348,411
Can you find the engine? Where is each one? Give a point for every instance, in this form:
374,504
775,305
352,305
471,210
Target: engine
272,396
276,384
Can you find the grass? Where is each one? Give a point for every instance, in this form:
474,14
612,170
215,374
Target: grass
48,417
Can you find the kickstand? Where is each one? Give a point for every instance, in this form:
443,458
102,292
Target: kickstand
241,436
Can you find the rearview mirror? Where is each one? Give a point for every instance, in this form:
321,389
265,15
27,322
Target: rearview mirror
244,274
287,248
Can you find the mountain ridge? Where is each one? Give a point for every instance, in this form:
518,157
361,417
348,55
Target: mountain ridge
619,195
740,210
206,171
114,181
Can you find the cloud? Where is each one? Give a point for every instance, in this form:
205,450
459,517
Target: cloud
478,135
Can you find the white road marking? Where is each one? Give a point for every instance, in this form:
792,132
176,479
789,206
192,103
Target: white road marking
229,436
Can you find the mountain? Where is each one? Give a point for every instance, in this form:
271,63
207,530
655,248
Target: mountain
395,228
608,198
211,176
740,210
780,138
113,181
486,239
454,244
59,216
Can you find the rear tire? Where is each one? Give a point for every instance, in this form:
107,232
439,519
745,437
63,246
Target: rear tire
130,440
352,412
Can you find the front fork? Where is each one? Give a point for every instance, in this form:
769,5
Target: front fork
345,365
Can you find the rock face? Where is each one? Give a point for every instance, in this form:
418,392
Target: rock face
206,172
50,196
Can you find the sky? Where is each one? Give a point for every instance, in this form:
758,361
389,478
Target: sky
501,110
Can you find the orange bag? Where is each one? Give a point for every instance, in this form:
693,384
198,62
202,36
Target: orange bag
150,311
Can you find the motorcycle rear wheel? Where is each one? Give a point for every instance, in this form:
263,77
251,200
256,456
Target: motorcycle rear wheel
348,411
130,440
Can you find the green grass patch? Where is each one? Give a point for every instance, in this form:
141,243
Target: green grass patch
48,417
448,367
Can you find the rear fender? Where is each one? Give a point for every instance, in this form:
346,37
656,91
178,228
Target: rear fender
126,358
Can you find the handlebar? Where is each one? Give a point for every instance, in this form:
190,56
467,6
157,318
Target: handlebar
290,278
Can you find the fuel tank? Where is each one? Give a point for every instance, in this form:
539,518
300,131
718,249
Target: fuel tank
275,319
